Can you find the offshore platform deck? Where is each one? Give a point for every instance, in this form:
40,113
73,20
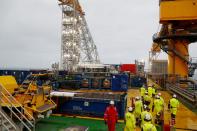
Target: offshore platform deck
78,89
186,119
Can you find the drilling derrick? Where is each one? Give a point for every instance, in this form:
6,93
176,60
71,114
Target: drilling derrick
77,45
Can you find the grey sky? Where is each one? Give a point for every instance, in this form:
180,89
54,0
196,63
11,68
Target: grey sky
30,31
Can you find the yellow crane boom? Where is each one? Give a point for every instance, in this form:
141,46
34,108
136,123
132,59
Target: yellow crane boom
179,29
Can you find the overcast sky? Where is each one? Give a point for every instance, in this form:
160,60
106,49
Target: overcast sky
30,31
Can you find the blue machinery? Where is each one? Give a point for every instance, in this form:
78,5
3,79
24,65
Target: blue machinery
114,82
89,104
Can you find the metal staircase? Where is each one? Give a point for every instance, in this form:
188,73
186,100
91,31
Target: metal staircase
16,114
6,124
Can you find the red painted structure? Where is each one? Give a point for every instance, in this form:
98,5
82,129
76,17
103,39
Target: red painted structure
128,67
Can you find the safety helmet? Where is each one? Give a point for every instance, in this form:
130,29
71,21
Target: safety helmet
146,93
111,102
147,117
145,106
137,98
174,96
159,94
130,109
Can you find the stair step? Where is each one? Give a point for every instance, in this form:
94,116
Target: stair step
12,129
7,124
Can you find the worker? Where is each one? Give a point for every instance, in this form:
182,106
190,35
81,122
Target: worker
173,106
147,99
161,98
142,92
130,120
158,109
138,109
153,91
150,90
111,116
142,116
157,105
148,126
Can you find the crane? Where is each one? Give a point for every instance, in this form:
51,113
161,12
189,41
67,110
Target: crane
77,45
178,19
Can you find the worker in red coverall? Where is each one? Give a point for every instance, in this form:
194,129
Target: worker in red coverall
111,116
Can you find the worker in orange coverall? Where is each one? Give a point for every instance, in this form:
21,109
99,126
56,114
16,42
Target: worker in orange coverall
111,116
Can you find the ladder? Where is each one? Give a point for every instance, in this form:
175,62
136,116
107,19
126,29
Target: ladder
8,120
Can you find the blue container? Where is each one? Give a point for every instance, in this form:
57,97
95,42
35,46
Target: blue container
88,106
137,81
120,82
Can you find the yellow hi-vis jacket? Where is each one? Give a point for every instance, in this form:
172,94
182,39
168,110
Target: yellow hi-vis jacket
147,98
158,105
153,91
130,122
162,100
142,116
149,127
150,91
174,104
138,108
142,91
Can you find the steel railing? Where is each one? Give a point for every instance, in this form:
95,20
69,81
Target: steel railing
185,94
3,116
11,103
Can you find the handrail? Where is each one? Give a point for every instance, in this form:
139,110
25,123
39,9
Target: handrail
4,116
17,110
18,117
24,81
23,116
190,96
17,102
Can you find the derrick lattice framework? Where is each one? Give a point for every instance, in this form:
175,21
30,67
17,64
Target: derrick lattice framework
77,45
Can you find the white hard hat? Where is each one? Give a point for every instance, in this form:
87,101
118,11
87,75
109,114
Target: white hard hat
159,94
174,96
147,117
111,102
145,106
137,97
130,109
146,92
